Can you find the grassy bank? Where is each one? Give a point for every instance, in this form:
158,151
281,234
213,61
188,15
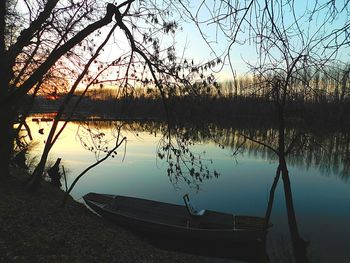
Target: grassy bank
34,229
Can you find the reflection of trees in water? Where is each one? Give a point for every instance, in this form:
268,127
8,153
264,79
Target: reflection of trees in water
327,151
184,164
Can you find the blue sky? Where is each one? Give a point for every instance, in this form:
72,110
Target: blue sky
191,44
241,53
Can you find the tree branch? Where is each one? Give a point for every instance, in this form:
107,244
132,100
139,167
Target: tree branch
89,168
259,142
56,55
26,34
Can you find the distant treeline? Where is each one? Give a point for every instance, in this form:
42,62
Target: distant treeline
318,98
332,84
208,109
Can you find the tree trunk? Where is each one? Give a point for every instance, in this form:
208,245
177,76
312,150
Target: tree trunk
272,196
35,180
5,127
299,245
6,142
2,28
34,183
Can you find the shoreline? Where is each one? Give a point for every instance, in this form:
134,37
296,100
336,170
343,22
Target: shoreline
34,229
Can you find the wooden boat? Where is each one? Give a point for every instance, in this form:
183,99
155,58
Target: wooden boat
174,221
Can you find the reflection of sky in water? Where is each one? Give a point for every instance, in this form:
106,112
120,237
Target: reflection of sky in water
322,203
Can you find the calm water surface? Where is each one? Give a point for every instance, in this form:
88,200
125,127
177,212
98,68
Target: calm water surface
319,180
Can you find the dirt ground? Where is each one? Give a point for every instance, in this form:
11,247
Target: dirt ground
33,228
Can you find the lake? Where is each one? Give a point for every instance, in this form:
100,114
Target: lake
229,174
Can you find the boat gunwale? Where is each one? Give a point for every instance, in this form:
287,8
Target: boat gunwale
212,230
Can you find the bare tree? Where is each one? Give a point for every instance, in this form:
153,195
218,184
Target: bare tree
31,52
63,43
289,50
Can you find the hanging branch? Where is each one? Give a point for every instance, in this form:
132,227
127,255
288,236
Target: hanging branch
89,168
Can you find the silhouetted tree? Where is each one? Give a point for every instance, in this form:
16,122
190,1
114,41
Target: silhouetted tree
289,50
59,41
32,50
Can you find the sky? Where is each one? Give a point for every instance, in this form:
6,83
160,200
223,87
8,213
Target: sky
242,53
190,43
